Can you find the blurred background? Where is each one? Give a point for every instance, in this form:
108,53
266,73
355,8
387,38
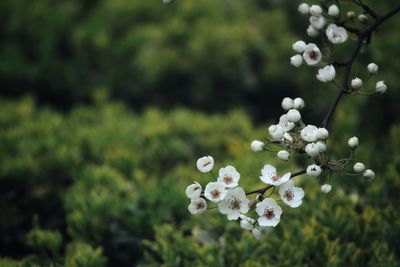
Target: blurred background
105,105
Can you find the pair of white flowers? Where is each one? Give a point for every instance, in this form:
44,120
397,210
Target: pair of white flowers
310,53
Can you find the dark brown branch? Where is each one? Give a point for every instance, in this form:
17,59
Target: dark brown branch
367,9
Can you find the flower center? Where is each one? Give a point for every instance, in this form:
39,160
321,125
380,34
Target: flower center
275,178
206,164
215,193
200,205
234,203
228,179
313,55
289,195
269,213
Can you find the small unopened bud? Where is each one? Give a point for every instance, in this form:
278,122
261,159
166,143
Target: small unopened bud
353,142
257,146
372,68
298,103
351,14
304,8
283,155
369,174
381,87
356,83
287,102
359,167
315,10
326,188
322,133
333,11
253,204
362,18
293,115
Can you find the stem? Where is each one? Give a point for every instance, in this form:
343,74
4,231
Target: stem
367,9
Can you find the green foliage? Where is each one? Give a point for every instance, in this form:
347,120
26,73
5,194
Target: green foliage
45,241
84,255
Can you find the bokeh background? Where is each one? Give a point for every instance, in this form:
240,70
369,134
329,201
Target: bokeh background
105,105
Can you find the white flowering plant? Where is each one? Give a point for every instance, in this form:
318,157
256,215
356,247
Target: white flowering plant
260,209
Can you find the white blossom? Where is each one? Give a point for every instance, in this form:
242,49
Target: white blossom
215,191
293,115
317,22
312,55
257,146
353,142
197,206
291,195
315,10
234,204
283,155
276,132
287,103
299,46
359,167
369,174
322,133
335,34
314,170
269,212
356,83
228,176
270,176
193,191
372,68
312,32
326,74
333,11
296,60
321,146
298,103
246,223
312,150
309,133
287,137
381,87
285,123
304,8
326,188
205,164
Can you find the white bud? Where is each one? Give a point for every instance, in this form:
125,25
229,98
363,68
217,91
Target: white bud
356,83
381,87
276,132
351,14
288,137
257,146
304,8
315,10
353,142
317,22
362,18
321,146
287,103
369,174
314,170
322,133
359,167
372,68
312,150
326,188
283,155
312,32
298,103
299,46
293,115
333,11
296,60
326,74
205,164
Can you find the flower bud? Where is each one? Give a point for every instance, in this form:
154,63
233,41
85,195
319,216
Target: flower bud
312,32
314,170
257,146
353,142
287,103
322,133
359,167
276,132
362,18
298,103
381,87
333,11
326,188
321,146
283,155
326,74
293,115
317,22
296,60
372,68
315,10
304,8
312,150
356,83
351,14
299,46
369,174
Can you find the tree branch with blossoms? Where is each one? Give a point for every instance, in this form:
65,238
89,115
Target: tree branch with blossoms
291,134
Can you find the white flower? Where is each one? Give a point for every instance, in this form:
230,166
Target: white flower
246,223
359,167
304,8
287,103
285,123
322,133
291,195
335,34
372,68
299,46
197,206
369,174
193,191
234,203
326,74
333,11
326,188
317,22
269,212
309,133
381,87
229,176
312,32
288,137
312,150
215,191
283,155
312,55
356,83
315,10
298,103
296,60
205,164
293,115
270,176
257,146
321,146
353,142
314,170
276,132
